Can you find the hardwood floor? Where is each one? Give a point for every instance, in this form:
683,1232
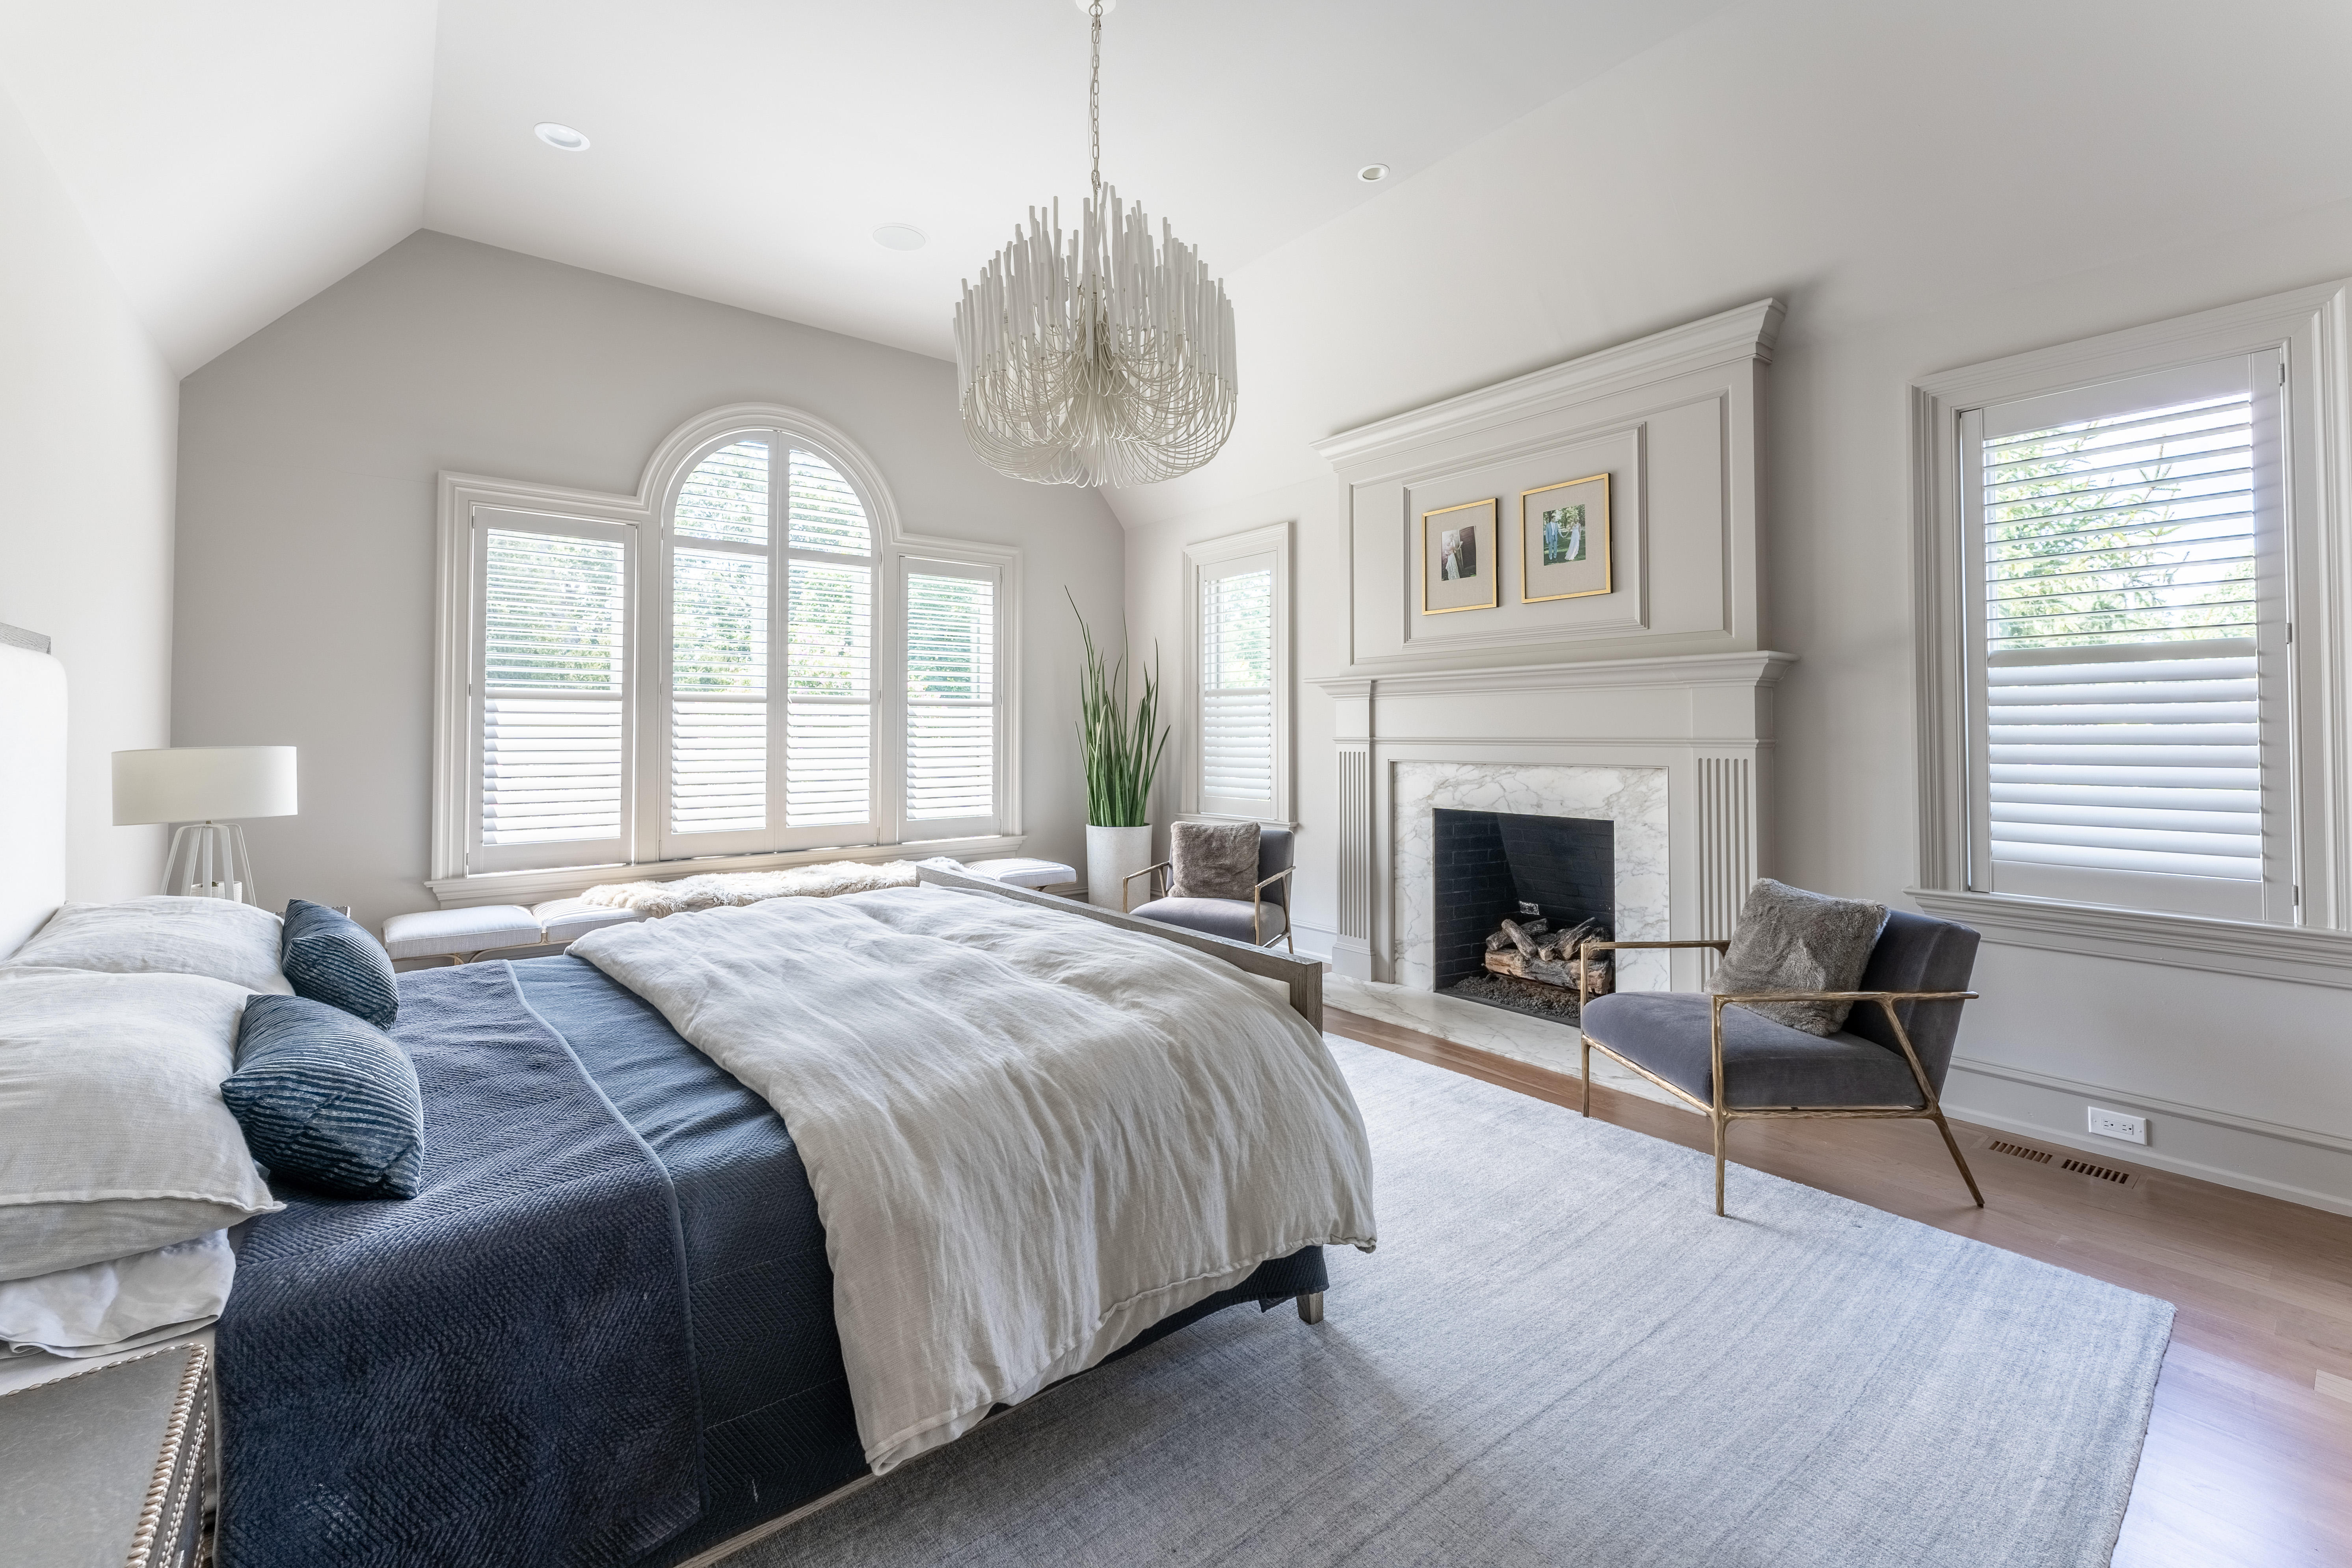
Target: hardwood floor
2246,1463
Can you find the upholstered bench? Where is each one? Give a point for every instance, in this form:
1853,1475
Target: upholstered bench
463,935
1023,872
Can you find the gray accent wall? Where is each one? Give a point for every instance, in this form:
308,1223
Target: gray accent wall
308,453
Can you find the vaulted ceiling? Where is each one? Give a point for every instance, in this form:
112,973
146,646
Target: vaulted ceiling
234,158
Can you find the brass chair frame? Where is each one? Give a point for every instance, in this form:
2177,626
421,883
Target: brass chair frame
1257,897
1720,1116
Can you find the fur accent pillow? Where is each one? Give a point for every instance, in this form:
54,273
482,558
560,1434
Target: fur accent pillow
1213,859
1790,940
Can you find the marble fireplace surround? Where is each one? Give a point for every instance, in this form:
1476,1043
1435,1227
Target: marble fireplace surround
1633,800
1676,751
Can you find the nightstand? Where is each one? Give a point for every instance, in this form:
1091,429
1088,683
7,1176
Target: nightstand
106,1469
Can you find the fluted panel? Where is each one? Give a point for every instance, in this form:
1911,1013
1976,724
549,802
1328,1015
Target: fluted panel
1727,842
1355,841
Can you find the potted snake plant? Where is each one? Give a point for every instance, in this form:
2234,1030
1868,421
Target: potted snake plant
1121,753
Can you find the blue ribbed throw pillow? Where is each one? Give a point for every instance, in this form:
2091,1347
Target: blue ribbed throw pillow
326,1099
330,958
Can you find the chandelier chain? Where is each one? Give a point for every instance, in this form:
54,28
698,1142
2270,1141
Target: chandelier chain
1094,98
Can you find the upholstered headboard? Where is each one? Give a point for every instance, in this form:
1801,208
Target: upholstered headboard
32,785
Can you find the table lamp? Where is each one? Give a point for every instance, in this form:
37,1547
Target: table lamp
200,787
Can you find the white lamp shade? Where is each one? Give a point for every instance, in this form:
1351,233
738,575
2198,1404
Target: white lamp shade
202,783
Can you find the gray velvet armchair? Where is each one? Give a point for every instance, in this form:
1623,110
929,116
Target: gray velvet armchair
1258,919
1888,1062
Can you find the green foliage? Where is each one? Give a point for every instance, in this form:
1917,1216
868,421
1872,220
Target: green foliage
1120,754
2130,556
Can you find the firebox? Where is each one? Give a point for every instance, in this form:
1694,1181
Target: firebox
1493,866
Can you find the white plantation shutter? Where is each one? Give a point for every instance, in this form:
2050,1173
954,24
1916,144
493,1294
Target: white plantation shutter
954,712
550,687
830,722
1236,639
2128,548
718,684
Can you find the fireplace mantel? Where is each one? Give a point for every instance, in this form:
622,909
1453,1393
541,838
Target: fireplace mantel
1703,721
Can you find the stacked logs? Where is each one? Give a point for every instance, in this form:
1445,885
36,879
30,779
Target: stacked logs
1531,950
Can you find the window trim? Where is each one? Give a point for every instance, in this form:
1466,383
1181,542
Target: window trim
1273,540
2308,327
460,496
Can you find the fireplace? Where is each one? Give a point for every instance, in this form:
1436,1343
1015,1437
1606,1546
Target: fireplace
1549,872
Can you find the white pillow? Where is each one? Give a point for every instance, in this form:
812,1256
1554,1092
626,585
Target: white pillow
164,935
103,1308
113,1136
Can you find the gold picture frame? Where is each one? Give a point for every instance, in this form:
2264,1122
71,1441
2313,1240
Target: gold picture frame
1461,559
1564,540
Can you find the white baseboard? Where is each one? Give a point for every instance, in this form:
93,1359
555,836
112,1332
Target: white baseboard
1314,940
2289,1164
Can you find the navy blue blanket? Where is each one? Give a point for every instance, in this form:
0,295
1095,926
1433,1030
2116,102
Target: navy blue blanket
779,1429
392,1391
496,1371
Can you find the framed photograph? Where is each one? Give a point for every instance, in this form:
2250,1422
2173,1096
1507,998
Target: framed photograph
1459,560
1564,540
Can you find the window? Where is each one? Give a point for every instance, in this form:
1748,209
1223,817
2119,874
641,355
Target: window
1237,654
745,661
769,550
955,732
2125,625
550,716
2131,691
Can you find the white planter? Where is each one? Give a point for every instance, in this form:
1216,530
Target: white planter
1113,855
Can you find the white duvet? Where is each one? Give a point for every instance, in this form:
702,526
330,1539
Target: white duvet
1031,1135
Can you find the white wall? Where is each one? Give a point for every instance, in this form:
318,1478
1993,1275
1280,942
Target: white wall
308,456
87,442
1925,187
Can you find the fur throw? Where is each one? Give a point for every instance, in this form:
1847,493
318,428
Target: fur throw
713,890
1790,940
1213,859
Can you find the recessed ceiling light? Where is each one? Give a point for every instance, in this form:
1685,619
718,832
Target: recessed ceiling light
562,138
899,237
1372,171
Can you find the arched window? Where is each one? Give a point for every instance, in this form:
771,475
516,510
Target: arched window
770,729
746,664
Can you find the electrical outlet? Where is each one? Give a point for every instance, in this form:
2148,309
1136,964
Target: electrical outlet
2116,1124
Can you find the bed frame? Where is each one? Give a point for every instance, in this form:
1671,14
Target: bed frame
1302,976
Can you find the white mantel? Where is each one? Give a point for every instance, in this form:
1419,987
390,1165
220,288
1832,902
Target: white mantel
1650,704
1703,721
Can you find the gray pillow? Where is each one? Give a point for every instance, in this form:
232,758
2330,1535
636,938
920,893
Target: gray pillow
1790,940
219,938
113,1135
1213,859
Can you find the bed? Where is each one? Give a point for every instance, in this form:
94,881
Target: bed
610,1327
606,1331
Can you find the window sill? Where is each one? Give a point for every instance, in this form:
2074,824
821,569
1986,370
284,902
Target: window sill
2304,955
528,888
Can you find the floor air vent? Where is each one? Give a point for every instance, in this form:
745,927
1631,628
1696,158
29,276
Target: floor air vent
2039,1156
2104,1173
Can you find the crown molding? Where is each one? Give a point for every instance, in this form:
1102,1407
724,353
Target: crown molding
1749,332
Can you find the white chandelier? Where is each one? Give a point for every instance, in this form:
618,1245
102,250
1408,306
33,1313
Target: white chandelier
1095,357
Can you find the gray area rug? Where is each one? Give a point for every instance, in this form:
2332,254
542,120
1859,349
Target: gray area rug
1559,1354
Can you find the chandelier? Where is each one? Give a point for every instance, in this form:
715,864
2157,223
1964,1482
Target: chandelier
1095,357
